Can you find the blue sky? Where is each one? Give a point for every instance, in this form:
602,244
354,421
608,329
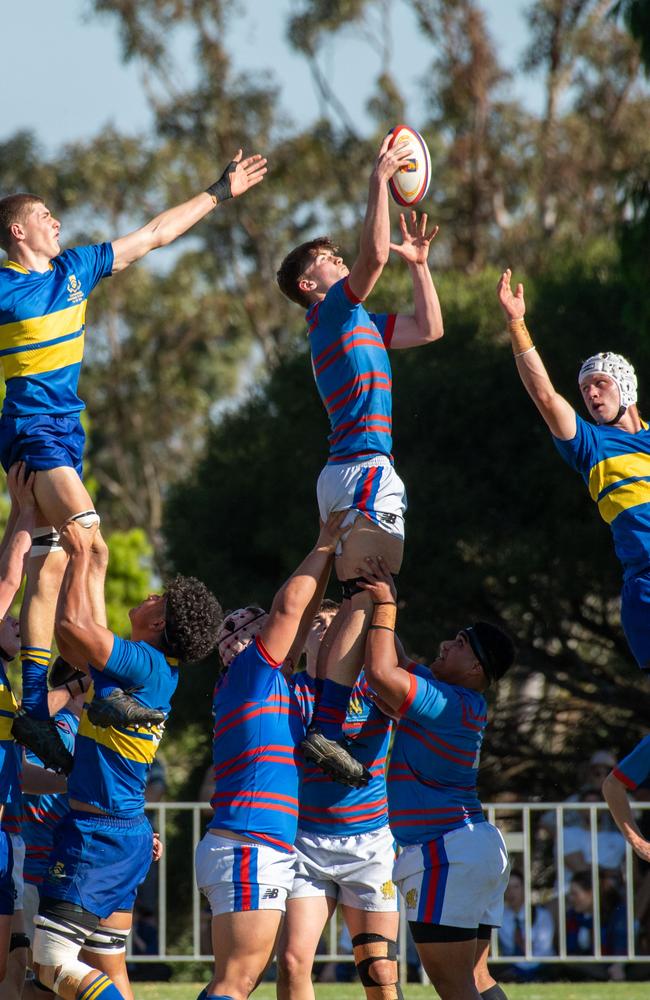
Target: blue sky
65,79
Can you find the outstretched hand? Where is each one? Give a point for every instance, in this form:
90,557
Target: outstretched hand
389,161
332,530
378,581
247,173
513,305
416,242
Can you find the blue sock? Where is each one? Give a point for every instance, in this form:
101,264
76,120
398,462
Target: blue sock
101,987
103,685
332,708
35,662
318,687
214,996
203,994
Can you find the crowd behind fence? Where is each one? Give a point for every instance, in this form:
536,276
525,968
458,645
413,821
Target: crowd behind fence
571,864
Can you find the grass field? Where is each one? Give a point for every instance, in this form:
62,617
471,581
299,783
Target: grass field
345,991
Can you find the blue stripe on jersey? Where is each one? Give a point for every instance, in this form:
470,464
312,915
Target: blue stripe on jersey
333,809
434,762
42,329
615,466
258,723
352,373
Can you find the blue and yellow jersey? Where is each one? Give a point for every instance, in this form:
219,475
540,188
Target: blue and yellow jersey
326,806
111,765
434,763
257,726
353,375
42,328
615,466
10,758
42,813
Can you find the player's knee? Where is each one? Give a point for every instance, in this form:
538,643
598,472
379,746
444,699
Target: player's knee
45,541
375,957
293,966
86,518
99,552
56,954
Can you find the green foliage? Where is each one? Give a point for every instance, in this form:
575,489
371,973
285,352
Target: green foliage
129,576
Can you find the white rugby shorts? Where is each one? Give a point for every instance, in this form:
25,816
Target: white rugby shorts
30,908
356,870
457,880
235,876
18,845
371,488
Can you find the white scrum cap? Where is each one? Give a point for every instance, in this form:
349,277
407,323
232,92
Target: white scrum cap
619,370
239,628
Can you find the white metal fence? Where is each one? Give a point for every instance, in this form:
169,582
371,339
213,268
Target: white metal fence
180,903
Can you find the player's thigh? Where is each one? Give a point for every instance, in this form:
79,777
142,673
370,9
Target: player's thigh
112,963
303,925
450,966
371,922
244,942
60,494
367,539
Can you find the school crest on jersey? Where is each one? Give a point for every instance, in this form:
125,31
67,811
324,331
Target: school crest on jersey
411,899
75,293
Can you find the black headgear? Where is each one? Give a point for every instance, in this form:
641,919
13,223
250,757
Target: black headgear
493,648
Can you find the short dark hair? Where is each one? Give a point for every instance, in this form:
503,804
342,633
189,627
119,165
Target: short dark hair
193,616
14,208
327,604
294,264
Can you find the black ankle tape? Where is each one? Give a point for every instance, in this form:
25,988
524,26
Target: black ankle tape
18,940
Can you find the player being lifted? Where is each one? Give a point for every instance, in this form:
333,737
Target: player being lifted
349,351
43,294
612,455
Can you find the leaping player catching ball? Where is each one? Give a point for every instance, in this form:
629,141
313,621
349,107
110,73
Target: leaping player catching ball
349,351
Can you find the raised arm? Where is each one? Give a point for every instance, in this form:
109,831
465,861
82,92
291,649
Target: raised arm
83,639
425,325
238,177
374,246
385,676
617,799
16,545
556,411
293,598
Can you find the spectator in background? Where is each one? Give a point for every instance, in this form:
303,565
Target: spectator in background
580,929
610,843
512,934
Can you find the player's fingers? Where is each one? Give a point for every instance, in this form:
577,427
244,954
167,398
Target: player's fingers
433,233
238,155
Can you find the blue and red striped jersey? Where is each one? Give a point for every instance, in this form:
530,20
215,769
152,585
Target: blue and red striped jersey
435,758
634,769
258,725
353,374
328,807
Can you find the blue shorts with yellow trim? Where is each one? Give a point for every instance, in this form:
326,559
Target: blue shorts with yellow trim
42,441
6,880
98,862
635,616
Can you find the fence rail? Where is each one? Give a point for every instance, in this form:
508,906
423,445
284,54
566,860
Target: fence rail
520,823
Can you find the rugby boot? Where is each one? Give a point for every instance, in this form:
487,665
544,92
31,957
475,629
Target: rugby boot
334,758
120,709
41,736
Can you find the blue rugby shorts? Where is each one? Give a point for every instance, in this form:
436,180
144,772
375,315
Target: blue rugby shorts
98,862
42,442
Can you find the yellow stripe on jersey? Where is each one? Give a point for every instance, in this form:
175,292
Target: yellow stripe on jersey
136,743
612,470
629,495
45,359
8,707
40,329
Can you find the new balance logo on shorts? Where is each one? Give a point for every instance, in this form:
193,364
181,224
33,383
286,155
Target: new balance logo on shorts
270,894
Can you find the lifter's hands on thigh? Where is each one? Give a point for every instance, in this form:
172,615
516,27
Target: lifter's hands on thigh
76,539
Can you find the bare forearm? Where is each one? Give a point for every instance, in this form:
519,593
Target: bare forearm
375,234
619,806
74,612
308,615
427,311
9,529
302,586
13,556
172,223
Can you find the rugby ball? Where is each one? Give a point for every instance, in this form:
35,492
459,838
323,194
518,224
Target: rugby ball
411,182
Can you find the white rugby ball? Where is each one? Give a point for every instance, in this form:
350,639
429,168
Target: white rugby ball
411,182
